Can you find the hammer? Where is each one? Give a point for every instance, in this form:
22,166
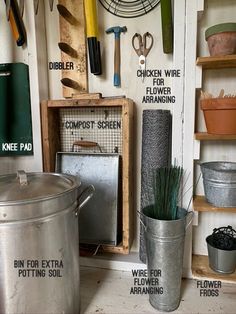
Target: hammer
117,30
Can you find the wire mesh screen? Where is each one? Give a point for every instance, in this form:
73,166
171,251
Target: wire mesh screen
129,8
102,125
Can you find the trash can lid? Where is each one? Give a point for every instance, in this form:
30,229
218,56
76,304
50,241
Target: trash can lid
27,187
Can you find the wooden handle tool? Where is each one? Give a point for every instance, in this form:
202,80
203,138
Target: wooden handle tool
16,22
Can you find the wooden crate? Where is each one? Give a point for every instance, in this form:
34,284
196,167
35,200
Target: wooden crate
51,144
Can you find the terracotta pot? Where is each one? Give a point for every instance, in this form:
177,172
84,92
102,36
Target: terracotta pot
221,39
220,115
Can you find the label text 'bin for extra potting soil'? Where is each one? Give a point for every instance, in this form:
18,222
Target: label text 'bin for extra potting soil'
144,283
39,268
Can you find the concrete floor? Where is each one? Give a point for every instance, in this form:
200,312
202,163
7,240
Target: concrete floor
108,291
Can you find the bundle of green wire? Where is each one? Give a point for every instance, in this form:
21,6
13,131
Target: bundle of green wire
166,184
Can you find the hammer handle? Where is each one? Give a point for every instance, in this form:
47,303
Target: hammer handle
117,62
17,24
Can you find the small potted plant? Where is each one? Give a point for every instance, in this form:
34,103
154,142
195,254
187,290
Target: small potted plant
165,224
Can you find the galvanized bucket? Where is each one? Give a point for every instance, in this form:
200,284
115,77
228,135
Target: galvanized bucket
221,261
219,180
165,249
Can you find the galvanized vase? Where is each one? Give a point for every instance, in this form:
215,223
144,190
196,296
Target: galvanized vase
165,249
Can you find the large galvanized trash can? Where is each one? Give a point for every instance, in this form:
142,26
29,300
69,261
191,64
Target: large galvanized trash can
39,245
165,249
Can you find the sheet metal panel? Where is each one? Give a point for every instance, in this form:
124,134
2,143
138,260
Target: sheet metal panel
99,220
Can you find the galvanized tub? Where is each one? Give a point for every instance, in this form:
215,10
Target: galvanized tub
164,241
39,252
219,180
221,261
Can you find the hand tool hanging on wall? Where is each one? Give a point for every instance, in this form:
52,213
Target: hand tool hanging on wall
167,27
92,36
22,7
15,19
117,30
142,50
72,44
65,13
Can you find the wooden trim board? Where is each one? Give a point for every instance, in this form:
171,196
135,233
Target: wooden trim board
202,271
127,170
87,96
50,138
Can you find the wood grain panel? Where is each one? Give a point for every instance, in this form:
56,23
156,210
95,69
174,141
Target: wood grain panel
74,35
218,62
201,205
201,270
51,144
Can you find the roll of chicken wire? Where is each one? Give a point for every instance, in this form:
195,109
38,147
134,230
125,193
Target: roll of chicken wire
156,152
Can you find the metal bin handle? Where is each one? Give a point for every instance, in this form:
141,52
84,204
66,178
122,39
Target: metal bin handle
84,197
22,176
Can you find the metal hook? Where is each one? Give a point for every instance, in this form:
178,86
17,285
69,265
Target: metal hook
36,6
